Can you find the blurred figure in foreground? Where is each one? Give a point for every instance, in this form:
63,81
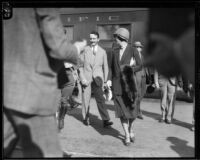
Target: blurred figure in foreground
34,50
171,37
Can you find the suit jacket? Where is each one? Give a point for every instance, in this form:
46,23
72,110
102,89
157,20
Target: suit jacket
94,65
115,70
34,45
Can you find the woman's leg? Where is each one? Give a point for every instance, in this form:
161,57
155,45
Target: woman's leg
125,126
131,131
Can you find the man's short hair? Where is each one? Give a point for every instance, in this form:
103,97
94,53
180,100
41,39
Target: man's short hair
95,33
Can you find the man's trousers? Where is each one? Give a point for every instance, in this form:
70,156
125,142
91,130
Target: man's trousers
98,95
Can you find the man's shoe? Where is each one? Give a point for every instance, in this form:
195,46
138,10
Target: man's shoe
140,116
132,139
60,124
107,123
168,121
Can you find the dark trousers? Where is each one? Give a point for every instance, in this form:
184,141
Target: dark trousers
66,92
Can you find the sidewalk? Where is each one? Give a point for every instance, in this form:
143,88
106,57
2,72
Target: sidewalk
153,139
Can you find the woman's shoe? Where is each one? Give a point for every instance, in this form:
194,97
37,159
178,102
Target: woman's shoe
132,137
127,141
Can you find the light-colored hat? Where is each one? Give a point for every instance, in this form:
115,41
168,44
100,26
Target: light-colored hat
123,33
138,44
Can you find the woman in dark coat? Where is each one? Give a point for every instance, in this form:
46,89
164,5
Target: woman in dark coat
122,78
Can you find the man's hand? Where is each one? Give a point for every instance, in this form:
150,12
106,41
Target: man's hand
80,45
85,83
109,83
157,85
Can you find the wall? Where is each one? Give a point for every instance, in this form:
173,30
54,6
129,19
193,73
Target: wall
84,23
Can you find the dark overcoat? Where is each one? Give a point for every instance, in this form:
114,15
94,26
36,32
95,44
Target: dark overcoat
116,65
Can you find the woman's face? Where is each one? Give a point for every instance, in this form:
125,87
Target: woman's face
139,49
118,41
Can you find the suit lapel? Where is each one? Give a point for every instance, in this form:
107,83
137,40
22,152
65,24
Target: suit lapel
116,53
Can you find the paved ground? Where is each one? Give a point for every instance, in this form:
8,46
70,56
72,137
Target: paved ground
153,139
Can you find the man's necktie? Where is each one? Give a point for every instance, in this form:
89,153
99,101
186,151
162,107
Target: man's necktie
93,50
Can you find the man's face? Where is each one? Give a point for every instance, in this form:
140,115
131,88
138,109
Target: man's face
94,39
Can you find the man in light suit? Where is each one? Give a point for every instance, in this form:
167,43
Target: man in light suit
35,47
140,78
93,75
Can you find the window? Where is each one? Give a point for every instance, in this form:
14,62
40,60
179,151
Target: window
106,30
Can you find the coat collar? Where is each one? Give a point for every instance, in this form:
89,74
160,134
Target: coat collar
124,54
116,55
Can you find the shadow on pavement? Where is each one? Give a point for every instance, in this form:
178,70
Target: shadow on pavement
151,115
182,124
97,124
21,150
175,121
180,146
